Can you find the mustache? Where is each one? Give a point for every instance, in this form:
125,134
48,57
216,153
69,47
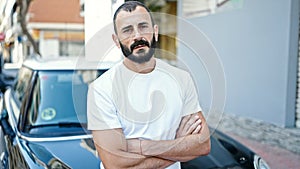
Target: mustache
140,42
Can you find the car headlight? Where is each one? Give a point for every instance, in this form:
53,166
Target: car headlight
259,163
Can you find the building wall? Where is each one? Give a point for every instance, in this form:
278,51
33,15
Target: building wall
257,46
55,11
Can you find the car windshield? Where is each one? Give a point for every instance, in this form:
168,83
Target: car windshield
58,103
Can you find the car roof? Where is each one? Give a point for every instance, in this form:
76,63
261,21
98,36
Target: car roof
67,63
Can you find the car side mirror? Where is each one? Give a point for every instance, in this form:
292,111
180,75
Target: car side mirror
6,127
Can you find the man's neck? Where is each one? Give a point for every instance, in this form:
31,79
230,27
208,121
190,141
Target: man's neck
143,68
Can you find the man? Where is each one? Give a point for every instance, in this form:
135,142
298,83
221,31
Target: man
144,113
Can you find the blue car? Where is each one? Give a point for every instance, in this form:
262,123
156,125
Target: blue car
43,122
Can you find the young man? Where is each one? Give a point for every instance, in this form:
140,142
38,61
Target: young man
144,113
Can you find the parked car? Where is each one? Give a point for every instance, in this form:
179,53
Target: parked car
43,121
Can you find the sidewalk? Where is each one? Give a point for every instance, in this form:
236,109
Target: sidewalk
280,147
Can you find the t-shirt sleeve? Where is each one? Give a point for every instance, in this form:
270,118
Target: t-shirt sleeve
191,103
101,112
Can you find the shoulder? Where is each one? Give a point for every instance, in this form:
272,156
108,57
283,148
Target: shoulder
175,72
104,81
180,76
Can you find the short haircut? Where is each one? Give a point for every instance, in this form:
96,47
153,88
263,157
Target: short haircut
130,6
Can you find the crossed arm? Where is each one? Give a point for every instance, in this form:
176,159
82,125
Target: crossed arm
111,146
192,140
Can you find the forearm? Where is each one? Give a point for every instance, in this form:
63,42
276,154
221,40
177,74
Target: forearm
123,159
112,148
141,162
181,149
185,147
152,162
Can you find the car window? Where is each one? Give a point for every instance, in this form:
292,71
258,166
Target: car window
58,100
23,81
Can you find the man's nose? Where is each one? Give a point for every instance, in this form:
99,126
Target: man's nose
137,35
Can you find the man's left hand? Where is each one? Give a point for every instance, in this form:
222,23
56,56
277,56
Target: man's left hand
190,124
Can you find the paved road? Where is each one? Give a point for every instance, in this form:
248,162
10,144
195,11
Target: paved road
280,147
276,157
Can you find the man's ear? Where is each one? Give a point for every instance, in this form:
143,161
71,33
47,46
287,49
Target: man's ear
116,40
156,32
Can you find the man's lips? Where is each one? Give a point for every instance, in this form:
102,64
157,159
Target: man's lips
139,46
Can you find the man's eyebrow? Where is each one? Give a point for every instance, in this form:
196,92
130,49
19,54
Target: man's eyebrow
144,23
126,27
130,26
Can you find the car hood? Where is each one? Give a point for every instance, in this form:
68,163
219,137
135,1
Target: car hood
225,153
219,157
80,153
75,154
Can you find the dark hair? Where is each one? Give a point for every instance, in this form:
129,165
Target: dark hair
130,6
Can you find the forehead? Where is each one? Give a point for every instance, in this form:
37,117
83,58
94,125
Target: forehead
139,15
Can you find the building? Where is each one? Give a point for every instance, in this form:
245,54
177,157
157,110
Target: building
11,46
57,26
255,62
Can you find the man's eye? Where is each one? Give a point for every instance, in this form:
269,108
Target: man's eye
144,26
126,31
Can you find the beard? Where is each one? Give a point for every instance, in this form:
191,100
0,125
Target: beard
142,56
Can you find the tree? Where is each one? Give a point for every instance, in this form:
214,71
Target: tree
23,9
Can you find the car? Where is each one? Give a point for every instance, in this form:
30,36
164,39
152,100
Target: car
43,121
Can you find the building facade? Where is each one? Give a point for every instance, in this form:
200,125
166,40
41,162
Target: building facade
257,46
57,26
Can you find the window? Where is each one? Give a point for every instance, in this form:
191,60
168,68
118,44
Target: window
58,102
20,88
23,81
71,48
200,8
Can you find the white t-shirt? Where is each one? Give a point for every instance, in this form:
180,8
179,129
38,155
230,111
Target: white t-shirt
147,106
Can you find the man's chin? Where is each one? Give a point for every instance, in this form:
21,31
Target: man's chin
139,59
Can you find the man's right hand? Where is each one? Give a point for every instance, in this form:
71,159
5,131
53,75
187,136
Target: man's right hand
190,124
